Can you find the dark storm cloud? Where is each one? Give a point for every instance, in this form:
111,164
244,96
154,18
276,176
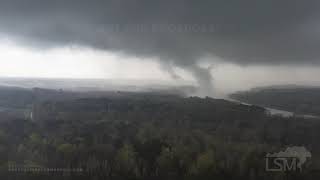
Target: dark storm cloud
178,32
181,31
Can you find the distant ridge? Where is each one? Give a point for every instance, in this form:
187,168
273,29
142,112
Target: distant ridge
287,86
298,99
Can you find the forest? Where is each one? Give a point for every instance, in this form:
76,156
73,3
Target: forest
140,136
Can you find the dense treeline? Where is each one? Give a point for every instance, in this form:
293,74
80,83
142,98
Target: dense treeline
152,137
12,97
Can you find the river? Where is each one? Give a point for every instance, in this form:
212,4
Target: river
283,113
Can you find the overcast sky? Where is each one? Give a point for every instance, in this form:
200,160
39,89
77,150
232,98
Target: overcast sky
221,45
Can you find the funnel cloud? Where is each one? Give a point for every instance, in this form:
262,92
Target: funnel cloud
179,33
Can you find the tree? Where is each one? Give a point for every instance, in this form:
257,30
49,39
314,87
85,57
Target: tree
126,160
205,165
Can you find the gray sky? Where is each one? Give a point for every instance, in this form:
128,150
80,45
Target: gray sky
234,44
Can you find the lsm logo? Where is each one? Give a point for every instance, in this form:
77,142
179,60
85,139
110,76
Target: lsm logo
292,159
